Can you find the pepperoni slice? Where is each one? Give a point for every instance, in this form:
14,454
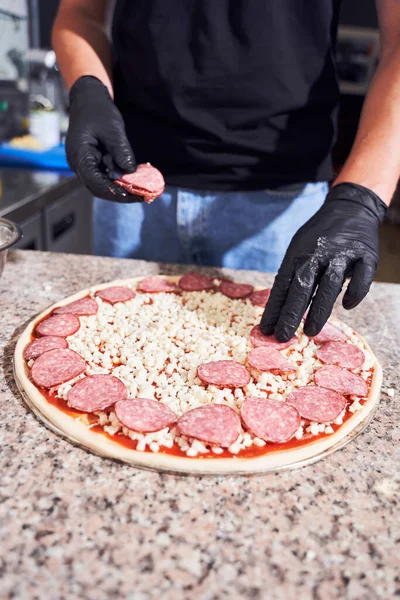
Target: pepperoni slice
84,306
224,373
260,297
96,392
340,380
56,367
146,181
341,354
270,420
235,290
59,325
317,404
212,423
116,294
269,359
42,345
195,282
329,333
144,415
269,341
155,284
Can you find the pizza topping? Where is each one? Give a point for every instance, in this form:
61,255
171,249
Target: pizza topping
213,423
269,341
317,404
329,333
146,181
341,354
235,290
42,345
195,282
57,366
201,332
341,380
96,392
269,359
59,325
260,297
116,293
155,284
83,306
144,415
224,373
270,420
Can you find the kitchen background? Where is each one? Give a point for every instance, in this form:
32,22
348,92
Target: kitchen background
50,205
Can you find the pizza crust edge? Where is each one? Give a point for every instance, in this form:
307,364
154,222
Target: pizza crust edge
78,433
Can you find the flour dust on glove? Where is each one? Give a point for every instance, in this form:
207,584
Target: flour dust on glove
97,147
341,240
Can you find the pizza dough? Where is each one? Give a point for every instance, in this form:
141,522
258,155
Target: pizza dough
79,428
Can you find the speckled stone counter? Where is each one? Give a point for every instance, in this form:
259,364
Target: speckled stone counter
74,525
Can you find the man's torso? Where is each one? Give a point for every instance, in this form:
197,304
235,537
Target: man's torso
228,94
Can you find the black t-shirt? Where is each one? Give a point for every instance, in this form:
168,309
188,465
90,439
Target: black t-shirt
228,94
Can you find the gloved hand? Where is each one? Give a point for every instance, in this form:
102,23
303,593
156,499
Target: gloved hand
96,144
341,240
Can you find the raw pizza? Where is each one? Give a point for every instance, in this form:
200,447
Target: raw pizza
173,373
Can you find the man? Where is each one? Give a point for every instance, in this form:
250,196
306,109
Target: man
235,102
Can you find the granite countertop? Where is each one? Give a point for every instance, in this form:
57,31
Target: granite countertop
74,525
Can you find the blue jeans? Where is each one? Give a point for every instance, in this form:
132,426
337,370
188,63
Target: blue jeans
238,230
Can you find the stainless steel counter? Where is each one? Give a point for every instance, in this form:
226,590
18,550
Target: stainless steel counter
52,209
24,192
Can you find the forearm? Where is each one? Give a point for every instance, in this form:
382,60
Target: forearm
82,46
374,161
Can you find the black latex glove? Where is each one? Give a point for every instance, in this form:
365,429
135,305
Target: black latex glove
96,146
341,240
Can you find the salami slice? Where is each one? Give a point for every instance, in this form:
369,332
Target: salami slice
155,284
59,325
84,306
265,358
329,333
270,420
260,297
56,367
212,423
96,392
42,345
146,181
341,354
116,294
317,404
235,290
143,415
195,282
269,341
341,380
224,373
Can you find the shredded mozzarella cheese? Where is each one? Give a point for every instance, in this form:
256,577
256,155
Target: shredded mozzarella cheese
155,342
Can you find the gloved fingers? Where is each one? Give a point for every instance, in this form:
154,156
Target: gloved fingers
121,152
277,297
302,287
88,167
322,304
113,173
360,282
110,167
